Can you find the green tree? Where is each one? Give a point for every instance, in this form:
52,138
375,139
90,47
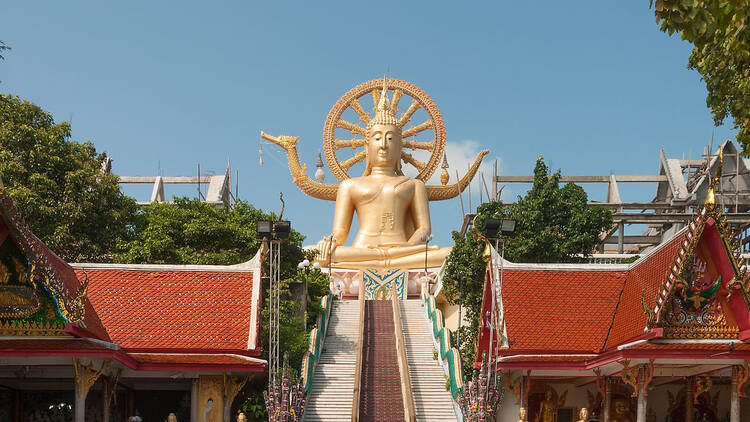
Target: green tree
553,224
720,34
58,184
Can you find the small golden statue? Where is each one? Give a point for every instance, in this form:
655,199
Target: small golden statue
547,409
622,411
583,416
522,414
392,209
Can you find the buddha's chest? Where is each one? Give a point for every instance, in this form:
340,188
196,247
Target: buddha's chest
394,193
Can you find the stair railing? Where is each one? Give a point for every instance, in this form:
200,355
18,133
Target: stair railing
448,356
403,365
358,365
317,338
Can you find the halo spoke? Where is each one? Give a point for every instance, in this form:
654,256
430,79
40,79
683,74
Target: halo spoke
412,131
352,143
407,114
359,130
427,146
408,158
354,160
375,97
397,93
357,107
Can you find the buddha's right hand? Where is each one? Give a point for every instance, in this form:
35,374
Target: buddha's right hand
325,249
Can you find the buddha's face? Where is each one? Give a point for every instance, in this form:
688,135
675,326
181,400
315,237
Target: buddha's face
241,418
548,395
384,146
171,418
622,408
522,413
584,413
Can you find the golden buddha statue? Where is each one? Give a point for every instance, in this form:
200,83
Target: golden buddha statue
622,411
583,416
392,209
547,409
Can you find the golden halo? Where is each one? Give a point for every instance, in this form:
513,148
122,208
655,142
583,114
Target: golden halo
397,90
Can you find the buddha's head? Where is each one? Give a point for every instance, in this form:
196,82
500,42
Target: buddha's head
522,414
622,407
548,395
383,137
584,415
172,418
241,417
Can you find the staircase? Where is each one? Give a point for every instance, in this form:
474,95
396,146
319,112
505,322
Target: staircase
381,398
431,400
333,381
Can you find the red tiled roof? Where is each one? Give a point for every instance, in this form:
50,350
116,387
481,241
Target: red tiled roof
187,310
193,359
559,310
645,278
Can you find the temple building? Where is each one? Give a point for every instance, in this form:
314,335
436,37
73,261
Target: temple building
163,339
663,338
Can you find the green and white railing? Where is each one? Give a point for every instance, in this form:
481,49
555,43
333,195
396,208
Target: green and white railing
317,337
448,356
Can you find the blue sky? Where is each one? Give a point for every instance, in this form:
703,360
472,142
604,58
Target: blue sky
592,86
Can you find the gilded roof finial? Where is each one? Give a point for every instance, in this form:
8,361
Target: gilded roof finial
711,196
383,112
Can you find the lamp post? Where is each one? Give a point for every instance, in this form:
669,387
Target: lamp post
426,245
305,266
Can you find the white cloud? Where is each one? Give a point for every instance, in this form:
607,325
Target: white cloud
461,155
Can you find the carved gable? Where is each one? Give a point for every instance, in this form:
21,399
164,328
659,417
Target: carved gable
696,300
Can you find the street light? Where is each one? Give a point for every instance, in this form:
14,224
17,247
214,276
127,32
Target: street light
305,266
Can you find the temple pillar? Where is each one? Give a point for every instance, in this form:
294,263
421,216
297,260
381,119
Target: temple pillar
85,377
642,397
607,400
194,402
109,386
232,386
689,399
734,405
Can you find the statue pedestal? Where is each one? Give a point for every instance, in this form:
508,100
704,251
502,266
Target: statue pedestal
378,282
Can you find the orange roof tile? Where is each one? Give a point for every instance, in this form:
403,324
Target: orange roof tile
559,310
193,359
186,310
644,278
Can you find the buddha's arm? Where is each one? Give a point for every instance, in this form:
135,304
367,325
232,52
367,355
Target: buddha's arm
343,214
420,214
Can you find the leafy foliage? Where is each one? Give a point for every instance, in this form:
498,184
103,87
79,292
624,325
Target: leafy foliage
189,231
553,224
720,33
58,185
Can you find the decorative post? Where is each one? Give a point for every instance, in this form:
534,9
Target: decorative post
232,386
607,400
641,412
689,399
85,377
109,386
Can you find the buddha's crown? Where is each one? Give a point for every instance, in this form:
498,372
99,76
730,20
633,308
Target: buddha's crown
384,114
